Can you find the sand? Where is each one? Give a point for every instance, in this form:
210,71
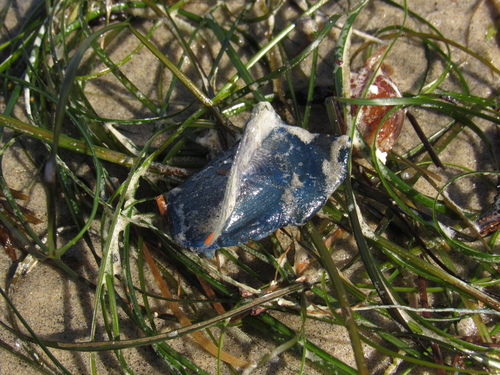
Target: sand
57,308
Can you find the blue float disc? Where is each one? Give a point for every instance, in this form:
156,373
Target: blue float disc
277,175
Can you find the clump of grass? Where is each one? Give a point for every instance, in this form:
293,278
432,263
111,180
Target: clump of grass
394,256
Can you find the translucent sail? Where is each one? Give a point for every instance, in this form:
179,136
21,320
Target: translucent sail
278,175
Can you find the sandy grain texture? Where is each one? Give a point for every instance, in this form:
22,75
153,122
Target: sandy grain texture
60,309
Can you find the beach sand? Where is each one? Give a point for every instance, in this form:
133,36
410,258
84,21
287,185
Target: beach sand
57,308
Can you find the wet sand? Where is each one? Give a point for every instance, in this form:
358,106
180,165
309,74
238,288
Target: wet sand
58,309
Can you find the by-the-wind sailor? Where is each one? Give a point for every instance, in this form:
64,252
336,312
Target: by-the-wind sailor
276,176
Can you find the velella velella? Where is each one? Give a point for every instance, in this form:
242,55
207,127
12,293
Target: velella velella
277,175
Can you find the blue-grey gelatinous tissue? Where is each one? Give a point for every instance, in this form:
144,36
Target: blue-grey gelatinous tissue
277,175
